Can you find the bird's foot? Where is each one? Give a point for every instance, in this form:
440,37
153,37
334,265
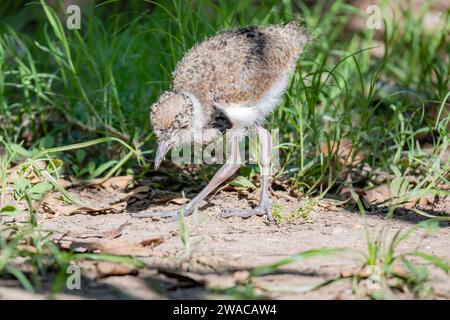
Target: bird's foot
171,214
261,210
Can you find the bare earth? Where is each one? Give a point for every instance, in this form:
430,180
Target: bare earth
220,249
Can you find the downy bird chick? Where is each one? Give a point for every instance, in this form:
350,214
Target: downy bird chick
229,82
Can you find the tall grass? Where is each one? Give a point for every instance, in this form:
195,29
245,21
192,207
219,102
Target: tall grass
60,86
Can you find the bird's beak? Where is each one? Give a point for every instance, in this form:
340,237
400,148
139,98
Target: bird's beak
163,147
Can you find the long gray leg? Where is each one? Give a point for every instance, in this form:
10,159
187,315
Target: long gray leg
264,207
226,171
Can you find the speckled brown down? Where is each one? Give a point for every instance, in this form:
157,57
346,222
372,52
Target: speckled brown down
232,69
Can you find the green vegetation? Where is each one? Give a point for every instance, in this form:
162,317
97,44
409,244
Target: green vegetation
75,103
60,86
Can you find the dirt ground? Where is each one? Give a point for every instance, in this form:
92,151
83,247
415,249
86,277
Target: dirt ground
217,250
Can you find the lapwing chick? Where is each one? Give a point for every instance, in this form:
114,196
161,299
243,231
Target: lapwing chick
228,83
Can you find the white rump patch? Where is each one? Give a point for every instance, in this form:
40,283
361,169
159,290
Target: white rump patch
243,116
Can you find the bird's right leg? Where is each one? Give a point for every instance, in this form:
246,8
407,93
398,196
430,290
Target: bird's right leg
264,208
226,171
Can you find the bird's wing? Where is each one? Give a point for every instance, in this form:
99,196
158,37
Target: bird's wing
235,67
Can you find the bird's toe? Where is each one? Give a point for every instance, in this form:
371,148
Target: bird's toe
258,211
155,214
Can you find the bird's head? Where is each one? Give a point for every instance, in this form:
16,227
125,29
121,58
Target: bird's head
172,119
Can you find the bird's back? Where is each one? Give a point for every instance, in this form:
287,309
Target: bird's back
237,67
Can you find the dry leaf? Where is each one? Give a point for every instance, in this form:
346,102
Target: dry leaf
67,181
108,269
330,206
423,201
85,235
163,196
347,273
26,248
117,247
153,242
116,232
115,183
443,186
182,280
141,192
18,171
345,152
378,194
241,276
400,271
383,193
56,207
178,201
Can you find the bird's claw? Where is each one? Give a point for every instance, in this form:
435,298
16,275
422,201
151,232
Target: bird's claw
258,211
171,215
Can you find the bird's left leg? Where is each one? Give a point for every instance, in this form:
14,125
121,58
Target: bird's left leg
226,171
264,208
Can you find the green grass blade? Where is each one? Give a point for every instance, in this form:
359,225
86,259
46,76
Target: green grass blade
265,269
